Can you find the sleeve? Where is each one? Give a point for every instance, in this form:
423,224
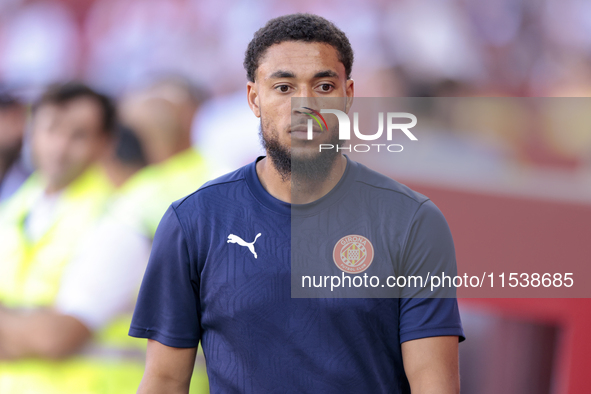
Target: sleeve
168,307
429,250
102,281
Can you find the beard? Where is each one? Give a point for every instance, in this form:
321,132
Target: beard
313,168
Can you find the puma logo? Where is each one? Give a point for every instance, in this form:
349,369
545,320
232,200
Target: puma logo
237,240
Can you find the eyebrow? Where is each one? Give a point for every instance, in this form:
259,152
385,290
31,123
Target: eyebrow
289,74
326,74
282,74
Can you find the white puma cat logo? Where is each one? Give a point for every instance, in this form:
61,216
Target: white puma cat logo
237,240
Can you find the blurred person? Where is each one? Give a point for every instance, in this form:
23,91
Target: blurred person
13,170
220,271
110,263
126,156
47,344
161,116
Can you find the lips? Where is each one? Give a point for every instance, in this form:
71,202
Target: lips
304,128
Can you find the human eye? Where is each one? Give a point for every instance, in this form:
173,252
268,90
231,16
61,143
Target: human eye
326,87
282,88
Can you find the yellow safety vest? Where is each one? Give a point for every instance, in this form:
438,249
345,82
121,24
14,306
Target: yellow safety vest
115,363
30,275
146,196
143,200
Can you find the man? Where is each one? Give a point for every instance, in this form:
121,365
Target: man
47,343
13,170
220,267
112,260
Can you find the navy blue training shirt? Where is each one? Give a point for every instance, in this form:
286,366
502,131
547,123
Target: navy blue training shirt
220,273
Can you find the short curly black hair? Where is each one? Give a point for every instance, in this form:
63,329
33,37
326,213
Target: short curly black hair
297,27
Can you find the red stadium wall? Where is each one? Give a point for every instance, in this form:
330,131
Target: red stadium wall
500,232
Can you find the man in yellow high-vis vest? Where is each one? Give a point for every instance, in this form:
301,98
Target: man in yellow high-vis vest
42,348
160,115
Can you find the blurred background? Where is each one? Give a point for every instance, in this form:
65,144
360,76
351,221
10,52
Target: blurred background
519,189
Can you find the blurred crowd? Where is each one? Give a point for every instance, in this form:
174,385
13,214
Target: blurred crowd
82,196
434,47
88,168
403,48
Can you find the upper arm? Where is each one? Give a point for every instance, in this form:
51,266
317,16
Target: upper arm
168,369
168,306
429,251
431,365
430,322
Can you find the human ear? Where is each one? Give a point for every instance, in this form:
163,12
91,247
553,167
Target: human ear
252,96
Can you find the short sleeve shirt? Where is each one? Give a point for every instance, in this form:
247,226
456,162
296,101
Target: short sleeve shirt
220,275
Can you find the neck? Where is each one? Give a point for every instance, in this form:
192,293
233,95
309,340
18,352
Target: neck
52,189
57,185
164,156
298,190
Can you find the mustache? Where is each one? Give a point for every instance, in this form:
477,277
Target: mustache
302,120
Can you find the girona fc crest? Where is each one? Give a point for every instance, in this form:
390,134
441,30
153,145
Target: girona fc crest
353,254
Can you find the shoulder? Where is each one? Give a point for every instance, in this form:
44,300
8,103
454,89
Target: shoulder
411,209
383,185
211,191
